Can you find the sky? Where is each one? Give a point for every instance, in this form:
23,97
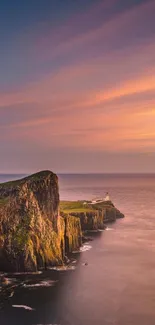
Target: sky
77,86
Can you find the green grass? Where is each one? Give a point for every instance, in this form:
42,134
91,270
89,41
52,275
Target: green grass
78,206
74,206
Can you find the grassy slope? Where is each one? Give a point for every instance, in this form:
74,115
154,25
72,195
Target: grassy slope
74,206
78,206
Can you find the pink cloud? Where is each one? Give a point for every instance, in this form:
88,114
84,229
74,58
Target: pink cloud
91,83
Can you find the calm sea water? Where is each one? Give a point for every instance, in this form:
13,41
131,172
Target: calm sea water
117,287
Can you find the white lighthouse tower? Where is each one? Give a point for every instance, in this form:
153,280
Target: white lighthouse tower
107,197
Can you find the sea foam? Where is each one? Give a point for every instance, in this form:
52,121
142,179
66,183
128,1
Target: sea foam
85,248
24,307
40,284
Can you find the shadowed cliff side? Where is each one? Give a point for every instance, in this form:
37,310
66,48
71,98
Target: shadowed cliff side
73,234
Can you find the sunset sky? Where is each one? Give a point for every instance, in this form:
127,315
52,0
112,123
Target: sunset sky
77,86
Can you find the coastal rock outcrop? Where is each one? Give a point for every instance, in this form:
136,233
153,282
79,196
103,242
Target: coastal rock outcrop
92,217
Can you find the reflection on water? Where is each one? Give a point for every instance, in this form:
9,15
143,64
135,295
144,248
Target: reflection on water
112,283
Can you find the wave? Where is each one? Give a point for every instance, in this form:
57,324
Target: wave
85,248
74,262
26,273
23,306
108,229
62,268
40,284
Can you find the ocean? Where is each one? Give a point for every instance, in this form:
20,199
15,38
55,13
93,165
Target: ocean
117,286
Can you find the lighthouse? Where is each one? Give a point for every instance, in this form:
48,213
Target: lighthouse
107,197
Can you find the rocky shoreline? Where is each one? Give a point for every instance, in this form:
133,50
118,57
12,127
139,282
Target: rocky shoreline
37,230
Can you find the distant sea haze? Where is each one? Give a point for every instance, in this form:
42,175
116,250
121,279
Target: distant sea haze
10,177
127,191
88,186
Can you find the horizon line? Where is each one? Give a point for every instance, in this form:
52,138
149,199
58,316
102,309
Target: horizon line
81,173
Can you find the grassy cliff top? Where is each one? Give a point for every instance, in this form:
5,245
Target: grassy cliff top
74,206
34,177
79,206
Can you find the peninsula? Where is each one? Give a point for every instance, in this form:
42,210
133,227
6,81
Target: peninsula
37,230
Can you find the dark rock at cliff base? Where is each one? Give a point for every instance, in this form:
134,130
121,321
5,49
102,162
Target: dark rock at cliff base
86,239
119,214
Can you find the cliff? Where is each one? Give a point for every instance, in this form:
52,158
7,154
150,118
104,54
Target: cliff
32,232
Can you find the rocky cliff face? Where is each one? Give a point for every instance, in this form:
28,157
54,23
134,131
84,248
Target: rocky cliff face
31,232
73,234
93,220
